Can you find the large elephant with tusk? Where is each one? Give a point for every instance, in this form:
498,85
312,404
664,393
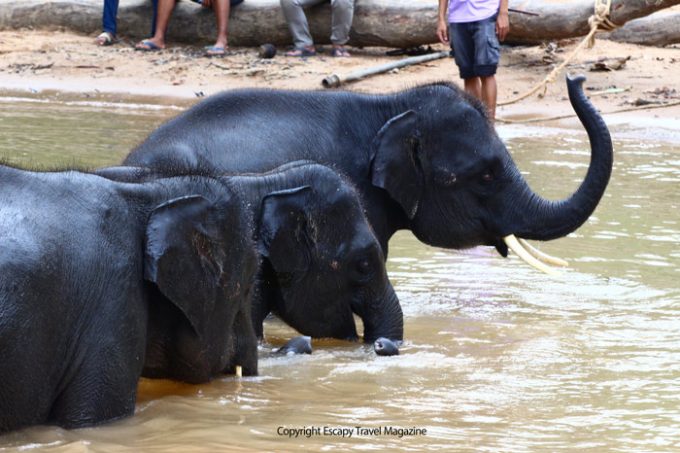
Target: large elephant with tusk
425,159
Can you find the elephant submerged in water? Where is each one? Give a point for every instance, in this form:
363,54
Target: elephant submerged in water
425,159
101,282
320,261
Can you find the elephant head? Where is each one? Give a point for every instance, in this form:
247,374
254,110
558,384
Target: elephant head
458,186
326,262
198,259
321,260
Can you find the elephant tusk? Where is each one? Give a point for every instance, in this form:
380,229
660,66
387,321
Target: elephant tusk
542,255
516,247
239,371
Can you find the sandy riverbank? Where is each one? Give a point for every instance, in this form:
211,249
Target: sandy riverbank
37,63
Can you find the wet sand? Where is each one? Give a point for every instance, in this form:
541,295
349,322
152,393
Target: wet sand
40,63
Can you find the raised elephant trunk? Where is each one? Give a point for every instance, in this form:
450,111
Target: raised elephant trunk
545,220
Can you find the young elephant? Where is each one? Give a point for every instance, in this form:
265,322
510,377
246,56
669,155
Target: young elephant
321,261
102,281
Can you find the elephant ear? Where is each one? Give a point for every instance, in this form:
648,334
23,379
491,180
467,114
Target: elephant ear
395,164
286,235
184,256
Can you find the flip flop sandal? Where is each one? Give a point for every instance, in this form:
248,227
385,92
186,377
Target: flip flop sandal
340,52
147,46
301,52
215,51
105,39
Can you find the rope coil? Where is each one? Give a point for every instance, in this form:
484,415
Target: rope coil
599,21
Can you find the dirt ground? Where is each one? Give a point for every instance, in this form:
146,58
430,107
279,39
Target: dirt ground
38,63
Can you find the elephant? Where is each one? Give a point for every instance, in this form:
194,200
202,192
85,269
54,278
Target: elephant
426,159
297,345
102,281
320,260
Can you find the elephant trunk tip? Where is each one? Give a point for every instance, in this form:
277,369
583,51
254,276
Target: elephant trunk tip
385,347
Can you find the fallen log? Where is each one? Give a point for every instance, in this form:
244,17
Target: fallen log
390,23
659,29
560,20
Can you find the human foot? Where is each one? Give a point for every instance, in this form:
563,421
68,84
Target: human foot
307,51
148,45
340,51
105,39
215,51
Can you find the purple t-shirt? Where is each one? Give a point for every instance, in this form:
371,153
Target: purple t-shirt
472,10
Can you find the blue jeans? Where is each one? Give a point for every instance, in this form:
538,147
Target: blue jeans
475,47
111,11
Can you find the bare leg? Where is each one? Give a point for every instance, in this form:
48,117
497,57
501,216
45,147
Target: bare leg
489,95
474,87
165,8
221,8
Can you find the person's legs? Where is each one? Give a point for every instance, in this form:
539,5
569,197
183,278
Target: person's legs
486,58
297,22
165,8
473,86
342,13
154,5
221,8
488,94
109,16
463,46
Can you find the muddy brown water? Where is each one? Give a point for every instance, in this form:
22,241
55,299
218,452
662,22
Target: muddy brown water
498,357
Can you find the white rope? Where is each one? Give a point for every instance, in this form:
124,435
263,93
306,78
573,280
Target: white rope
599,21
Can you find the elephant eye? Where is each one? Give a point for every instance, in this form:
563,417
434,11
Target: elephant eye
364,267
487,176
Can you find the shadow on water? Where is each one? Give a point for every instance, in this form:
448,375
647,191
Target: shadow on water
498,357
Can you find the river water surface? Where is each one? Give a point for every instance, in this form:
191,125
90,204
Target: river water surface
498,357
